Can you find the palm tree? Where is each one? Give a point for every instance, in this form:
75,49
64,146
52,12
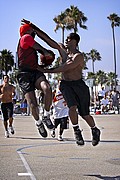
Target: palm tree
101,77
57,76
115,21
85,60
91,78
91,75
110,79
93,55
6,60
13,76
69,19
75,17
60,23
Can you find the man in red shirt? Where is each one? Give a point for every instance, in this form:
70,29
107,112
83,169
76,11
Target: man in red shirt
29,78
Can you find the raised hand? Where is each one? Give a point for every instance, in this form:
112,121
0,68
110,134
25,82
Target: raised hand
24,21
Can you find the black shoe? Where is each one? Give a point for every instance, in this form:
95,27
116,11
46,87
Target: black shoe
53,134
47,121
42,130
78,137
96,136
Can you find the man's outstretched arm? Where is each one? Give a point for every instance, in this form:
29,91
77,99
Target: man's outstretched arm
41,34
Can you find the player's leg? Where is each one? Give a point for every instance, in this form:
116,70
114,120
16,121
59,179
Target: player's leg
42,84
32,102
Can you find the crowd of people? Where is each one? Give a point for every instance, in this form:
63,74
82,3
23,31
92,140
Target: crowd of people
107,102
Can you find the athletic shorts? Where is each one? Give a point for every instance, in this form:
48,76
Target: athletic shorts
62,121
23,105
76,93
27,80
7,110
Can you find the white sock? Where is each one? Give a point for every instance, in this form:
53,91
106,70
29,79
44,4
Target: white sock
46,113
38,122
93,127
75,125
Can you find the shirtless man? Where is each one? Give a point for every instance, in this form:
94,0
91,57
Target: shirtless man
7,92
74,90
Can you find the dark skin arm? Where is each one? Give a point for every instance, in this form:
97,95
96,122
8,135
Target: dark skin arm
68,65
41,49
41,34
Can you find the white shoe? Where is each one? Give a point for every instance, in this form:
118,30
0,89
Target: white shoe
11,130
60,138
6,134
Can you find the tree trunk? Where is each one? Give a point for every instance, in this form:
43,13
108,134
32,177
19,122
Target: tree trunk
114,51
63,29
93,66
5,67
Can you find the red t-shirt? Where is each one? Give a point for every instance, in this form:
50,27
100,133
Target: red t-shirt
27,41
27,55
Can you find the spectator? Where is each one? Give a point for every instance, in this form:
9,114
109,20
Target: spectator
60,113
23,107
115,100
101,94
104,104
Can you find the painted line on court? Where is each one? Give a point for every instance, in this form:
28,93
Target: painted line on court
29,172
24,174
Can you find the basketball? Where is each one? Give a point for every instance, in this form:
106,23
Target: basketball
47,60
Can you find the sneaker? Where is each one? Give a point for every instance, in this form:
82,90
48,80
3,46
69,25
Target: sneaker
53,134
96,136
47,121
42,130
11,130
78,137
60,138
6,134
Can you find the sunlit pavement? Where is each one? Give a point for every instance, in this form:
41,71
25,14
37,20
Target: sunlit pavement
26,155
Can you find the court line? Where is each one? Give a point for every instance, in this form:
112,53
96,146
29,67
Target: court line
29,172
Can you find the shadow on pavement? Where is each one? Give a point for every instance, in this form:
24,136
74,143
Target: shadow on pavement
104,177
65,139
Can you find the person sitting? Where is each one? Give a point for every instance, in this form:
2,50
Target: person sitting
105,104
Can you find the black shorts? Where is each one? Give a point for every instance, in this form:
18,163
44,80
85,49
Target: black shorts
76,93
7,110
100,97
62,121
27,80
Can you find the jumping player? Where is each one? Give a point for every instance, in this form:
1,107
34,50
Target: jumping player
29,78
74,90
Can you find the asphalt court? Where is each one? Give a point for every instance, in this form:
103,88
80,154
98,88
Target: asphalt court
26,155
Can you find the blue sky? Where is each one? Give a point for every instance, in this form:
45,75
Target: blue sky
98,36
